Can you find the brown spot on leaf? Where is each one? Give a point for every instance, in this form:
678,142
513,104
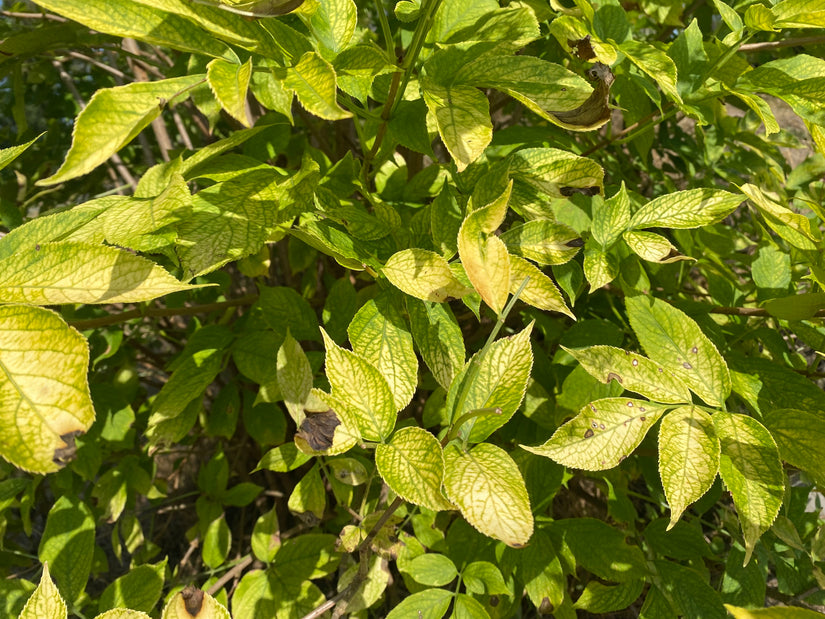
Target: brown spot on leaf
643,418
694,350
37,247
642,409
546,607
589,433
594,112
585,191
629,404
494,601
318,429
575,243
687,366
634,363
614,376
592,407
622,459
601,426
192,600
64,455
583,48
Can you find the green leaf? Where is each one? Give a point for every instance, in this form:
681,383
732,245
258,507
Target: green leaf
41,413
45,602
431,569
775,612
229,82
122,613
611,218
603,434
309,494
359,385
693,208
462,115
313,80
139,589
655,63
484,255
543,241
112,119
500,382
191,599
412,464
796,307
751,469
600,267
294,377
484,578
333,25
799,435
7,155
216,543
283,309
128,19
678,344
771,270
633,372
438,337
538,566
427,604
68,544
379,334
599,598
488,488
71,272
601,549
688,457
688,592
760,17
283,458
540,290
424,275
466,607
266,536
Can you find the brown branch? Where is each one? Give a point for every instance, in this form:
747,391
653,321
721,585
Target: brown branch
758,47
235,571
155,312
750,311
49,16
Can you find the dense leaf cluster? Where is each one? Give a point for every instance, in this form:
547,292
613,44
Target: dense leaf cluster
412,309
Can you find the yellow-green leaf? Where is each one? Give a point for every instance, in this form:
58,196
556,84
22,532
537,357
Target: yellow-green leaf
379,334
676,342
751,469
799,14
600,267
553,171
540,291
543,241
294,377
500,384
655,63
688,457
412,464
799,434
344,437
41,411
229,82
760,17
123,613
774,612
484,255
360,385
7,155
652,247
45,602
603,434
125,18
194,603
68,272
424,275
632,371
462,115
112,119
488,488
313,80
797,306
693,208
333,24
611,218
438,338
309,494
793,227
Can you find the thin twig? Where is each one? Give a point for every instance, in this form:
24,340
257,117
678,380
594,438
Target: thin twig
49,16
758,47
751,311
235,571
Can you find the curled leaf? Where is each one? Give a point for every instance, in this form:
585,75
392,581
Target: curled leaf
594,112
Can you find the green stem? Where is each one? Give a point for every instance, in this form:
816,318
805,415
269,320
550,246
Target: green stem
385,30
